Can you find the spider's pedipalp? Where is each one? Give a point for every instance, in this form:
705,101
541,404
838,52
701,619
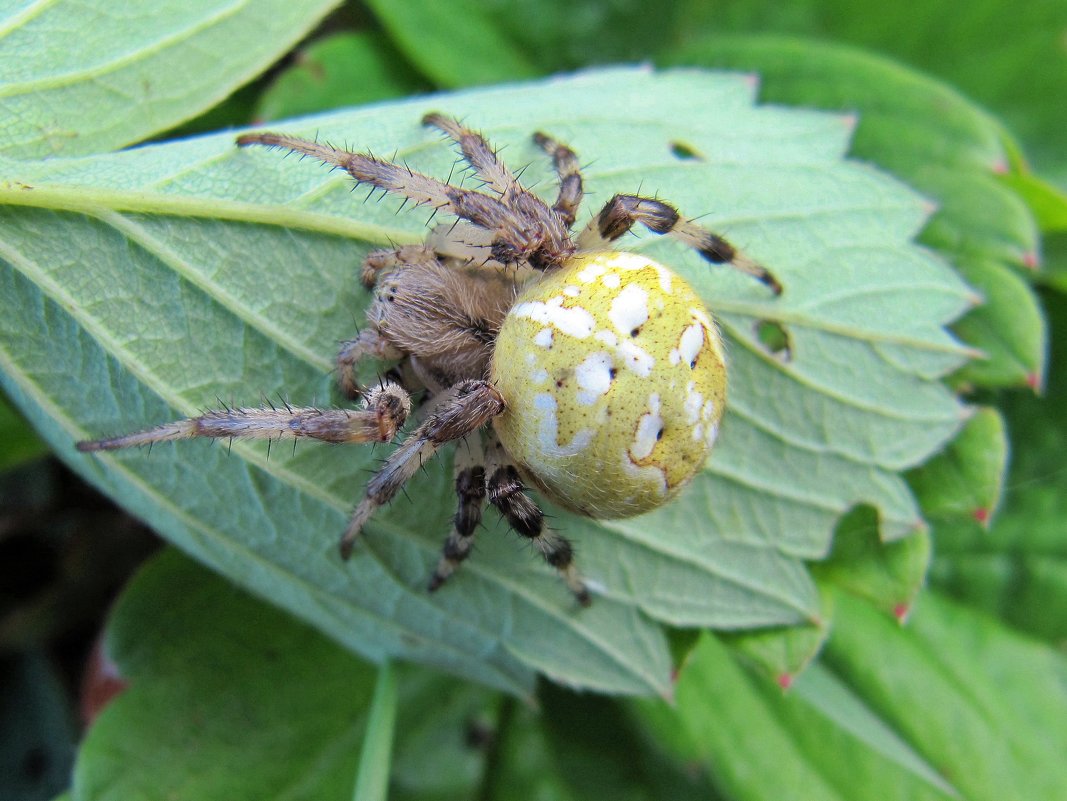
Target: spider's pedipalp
368,344
622,212
464,242
467,406
386,409
570,177
378,261
506,491
469,477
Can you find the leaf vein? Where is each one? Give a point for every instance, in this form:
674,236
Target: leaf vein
94,73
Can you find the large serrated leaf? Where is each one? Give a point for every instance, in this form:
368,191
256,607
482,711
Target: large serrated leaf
891,712
955,683
148,284
946,147
87,76
755,742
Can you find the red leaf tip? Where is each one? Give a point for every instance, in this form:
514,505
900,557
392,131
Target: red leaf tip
901,612
101,682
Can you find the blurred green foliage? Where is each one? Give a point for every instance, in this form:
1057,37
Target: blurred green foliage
965,101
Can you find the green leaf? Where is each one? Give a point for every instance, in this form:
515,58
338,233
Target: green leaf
888,575
345,69
454,43
722,723
236,110
582,747
681,643
86,77
780,653
1009,58
168,277
954,683
18,443
1048,203
1055,273
1018,568
218,680
523,765
847,713
933,138
965,481
1008,326
444,737
230,698
892,712
564,34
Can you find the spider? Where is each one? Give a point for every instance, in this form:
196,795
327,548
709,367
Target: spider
596,376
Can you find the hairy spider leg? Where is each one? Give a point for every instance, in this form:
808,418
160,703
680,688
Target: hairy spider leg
469,476
622,212
507,493
524,229
477,152
554,228
385,410
464,408
570,177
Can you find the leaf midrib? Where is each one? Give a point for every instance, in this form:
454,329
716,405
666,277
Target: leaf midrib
16,21
98,202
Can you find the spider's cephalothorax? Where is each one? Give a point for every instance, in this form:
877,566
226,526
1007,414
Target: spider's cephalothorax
595,375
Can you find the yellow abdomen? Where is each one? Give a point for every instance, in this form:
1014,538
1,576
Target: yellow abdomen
614,380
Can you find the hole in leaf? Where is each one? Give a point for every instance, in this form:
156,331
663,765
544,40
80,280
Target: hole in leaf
686,152
775,339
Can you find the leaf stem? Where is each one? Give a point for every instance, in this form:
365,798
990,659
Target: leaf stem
372,778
